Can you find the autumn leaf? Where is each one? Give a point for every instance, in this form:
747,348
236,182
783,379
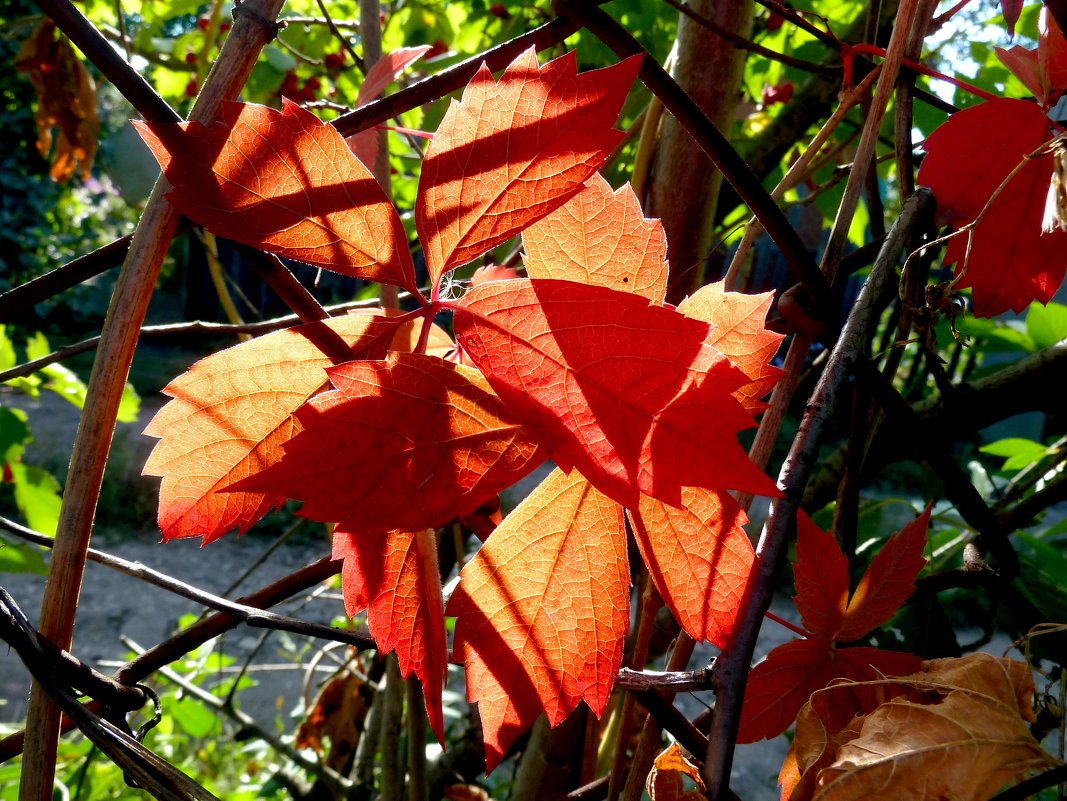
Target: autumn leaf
1011,10
956,730
407,443
699,557
888,582
820,577
541,610
331,727
780,685
1006,259
665,781
231,414
385,70
511,151
66,101
611,385
600,237
285,182
1042,70
394,576
740,333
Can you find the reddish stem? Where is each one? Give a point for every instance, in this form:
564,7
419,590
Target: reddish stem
781,621
848,52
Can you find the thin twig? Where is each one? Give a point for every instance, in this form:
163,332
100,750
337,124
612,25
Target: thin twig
250,615
742,43
731,668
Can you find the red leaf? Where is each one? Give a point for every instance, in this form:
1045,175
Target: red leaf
1043,70
820,576
740,333
611,385
385,70
699,557
407,443
541,610
1011,262
230,416
782,683
512,151
602,238
394,576
1011,10
285,182
888,582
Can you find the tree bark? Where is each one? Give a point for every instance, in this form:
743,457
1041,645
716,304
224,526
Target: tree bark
685,185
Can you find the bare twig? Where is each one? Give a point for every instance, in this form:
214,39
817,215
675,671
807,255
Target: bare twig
731,668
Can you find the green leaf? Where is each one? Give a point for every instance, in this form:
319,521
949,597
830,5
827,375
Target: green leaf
1018,452
37,497
129,405
14,434
1046,325
193,717
37,347
7,350
994,335
21,557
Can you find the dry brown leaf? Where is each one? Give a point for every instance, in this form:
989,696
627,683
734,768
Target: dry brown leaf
337,716
666,779
66,99
955,731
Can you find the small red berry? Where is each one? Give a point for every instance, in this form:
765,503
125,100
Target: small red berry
190,89
306,95
224,27
9,476
500,10
774,21
314,83
782,93
203,23
333,61
190,57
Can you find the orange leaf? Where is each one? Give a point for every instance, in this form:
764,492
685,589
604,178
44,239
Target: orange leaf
66,100
512,151
230,416
394,576
541,610
820,576
665,782
888,582
624,391
285,182
600,237
741,335
699,557
407,443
